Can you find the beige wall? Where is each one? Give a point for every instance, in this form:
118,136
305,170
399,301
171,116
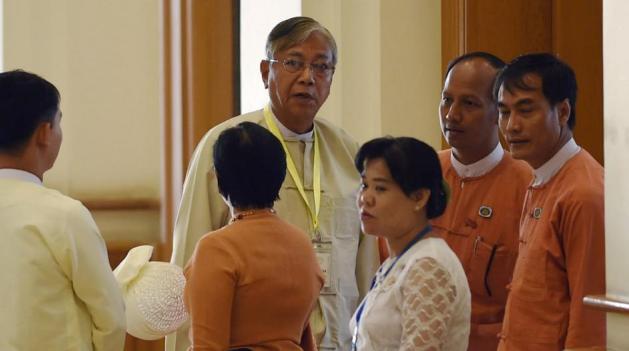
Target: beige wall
104,58
388,78
616,82
411,69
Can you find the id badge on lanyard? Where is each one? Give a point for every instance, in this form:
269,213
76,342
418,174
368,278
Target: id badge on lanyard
322,249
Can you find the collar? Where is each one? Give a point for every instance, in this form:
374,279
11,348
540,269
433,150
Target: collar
18,174
544,173
480,167
289,134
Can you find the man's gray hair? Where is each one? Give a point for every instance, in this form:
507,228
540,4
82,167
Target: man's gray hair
293,31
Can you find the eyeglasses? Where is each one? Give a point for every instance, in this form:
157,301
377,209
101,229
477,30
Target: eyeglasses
323,70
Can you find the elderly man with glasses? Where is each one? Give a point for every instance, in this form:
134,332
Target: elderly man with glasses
319,192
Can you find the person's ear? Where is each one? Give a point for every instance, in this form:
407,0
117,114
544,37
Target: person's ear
563,112
43,134
265,66
420,197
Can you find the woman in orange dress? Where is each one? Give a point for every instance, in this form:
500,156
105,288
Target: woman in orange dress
253,283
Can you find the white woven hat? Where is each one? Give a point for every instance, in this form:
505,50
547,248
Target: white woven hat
153,294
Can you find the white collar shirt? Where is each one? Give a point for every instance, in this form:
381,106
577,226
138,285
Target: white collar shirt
307,139
289,134
544,173
18,174
480,167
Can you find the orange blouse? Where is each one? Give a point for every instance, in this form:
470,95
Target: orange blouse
252,284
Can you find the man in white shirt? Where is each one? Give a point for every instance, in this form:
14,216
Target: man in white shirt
58,292
319,192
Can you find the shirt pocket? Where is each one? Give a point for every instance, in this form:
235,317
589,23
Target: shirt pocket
292,208
339,225
490,269
460,240
488,266
345,236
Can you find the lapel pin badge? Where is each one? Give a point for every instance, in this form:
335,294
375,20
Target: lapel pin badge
485,212
537,212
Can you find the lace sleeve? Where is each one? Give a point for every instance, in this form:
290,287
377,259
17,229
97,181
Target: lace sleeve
428,296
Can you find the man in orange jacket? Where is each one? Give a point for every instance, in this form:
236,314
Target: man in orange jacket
562,234
487,190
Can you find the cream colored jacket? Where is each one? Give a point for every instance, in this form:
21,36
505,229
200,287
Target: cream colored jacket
58,291
353,258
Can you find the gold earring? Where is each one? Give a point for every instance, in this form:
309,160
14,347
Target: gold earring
417,208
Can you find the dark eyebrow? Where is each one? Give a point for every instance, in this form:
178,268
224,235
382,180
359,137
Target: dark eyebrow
469,96
323,56
384,180
523,102
519,103
444,92
378,180
299,55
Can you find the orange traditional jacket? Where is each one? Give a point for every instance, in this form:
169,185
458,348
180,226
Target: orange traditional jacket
481,226
562,259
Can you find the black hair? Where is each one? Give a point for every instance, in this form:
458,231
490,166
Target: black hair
413,165
493,60
558,79
250,166
26,101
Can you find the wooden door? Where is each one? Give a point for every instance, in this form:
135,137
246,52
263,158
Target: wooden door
572,29
200,90
201,43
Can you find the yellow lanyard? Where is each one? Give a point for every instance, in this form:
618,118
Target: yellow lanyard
316,169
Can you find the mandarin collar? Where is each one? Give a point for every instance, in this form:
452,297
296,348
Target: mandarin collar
289,134
18,174
545,172
480,167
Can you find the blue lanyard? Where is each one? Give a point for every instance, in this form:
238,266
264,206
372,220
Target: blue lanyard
359,311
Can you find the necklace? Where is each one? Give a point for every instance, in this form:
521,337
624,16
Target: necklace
243,214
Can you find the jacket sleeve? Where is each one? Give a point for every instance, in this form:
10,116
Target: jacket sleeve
428,296
93,281
201,209
584,250
367,263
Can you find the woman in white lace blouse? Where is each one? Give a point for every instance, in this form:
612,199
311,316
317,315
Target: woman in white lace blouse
419,298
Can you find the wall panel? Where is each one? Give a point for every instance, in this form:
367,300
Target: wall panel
571,29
